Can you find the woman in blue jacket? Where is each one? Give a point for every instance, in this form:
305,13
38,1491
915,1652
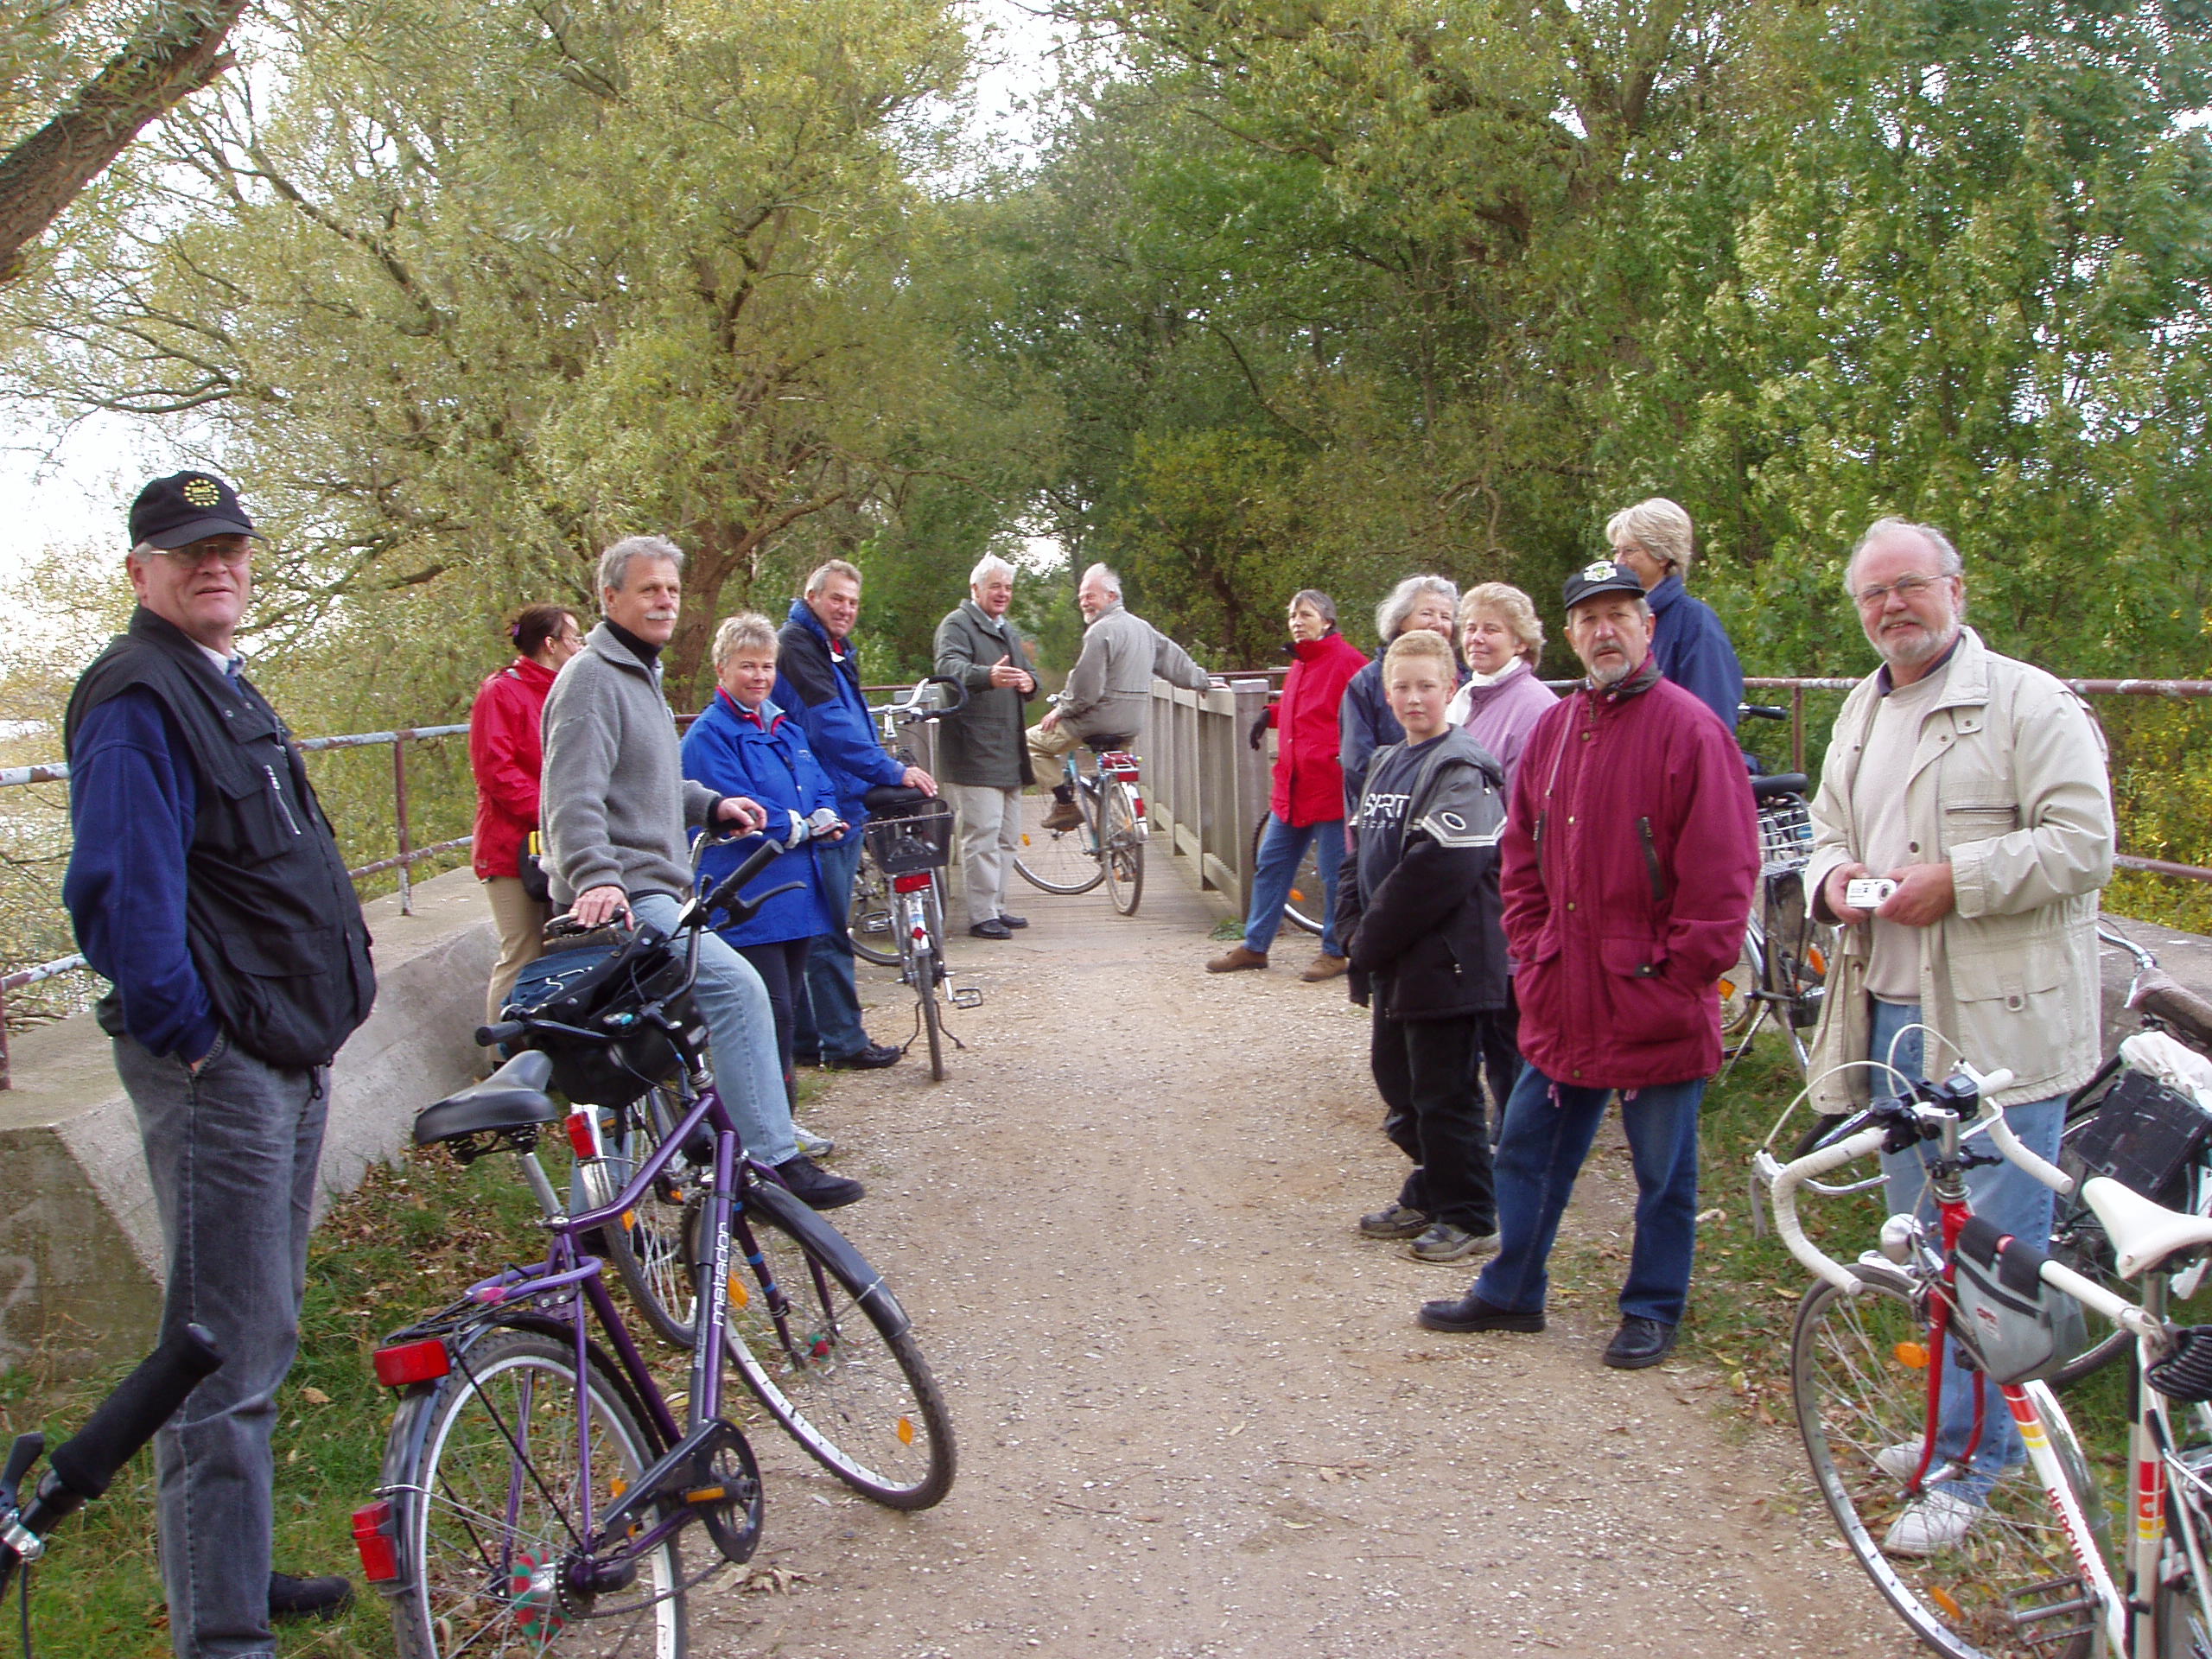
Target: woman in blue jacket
742,744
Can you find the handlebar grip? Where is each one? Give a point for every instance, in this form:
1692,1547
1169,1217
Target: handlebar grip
758,860
126,1419
506,1032
1783,1193
1762,711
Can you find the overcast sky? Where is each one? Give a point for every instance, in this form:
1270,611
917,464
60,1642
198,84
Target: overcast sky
71,489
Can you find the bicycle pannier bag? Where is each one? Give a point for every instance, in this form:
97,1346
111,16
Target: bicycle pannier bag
2145,1136
2018,1328
580,987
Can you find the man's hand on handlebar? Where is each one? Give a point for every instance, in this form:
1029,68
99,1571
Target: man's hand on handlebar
743,813
597,905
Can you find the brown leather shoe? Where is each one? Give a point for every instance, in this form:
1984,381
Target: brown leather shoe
1064,815
1324,966
1237,960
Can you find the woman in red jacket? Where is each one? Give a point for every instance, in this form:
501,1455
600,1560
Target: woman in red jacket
506,754
1308,805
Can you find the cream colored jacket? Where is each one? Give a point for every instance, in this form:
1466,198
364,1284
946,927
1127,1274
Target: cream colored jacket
2008,784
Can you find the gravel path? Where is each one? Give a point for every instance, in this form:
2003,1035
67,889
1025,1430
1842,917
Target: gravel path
1195,1416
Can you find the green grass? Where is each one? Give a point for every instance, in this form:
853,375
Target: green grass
402,1243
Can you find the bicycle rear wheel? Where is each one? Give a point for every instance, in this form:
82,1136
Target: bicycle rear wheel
1858,1372
483,1471
933,1026
828,1352
1121,847
868,916
1057,860
647,1249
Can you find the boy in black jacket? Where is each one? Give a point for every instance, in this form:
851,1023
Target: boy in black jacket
1427,950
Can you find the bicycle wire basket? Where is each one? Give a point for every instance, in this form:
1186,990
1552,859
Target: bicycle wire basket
912,840
1785,833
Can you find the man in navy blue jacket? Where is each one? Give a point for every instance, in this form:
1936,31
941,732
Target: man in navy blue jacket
203,881
1655,540
818,680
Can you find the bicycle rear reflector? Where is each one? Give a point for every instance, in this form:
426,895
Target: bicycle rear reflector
412,1362
372,1538
583,1134
912,882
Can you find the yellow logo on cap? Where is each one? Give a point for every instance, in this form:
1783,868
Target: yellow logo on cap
1603,570
202,491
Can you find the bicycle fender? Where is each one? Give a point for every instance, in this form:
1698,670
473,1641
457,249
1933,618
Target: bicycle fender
844,1259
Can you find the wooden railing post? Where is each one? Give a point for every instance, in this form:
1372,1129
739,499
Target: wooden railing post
1248,702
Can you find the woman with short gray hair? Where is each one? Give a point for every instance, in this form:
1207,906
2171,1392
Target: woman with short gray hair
1366,723
1653,539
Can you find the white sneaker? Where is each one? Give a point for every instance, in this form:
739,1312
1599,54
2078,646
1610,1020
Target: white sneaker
1902,1462
811,1145
1937,1520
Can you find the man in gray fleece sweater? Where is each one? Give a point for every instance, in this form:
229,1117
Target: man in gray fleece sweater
615,801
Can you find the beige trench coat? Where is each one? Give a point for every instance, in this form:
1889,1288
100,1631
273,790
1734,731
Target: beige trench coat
2008,784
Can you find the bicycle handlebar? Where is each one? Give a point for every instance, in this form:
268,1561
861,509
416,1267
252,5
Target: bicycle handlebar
2158,992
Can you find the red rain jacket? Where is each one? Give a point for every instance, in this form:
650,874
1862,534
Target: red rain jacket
1309,783
507,752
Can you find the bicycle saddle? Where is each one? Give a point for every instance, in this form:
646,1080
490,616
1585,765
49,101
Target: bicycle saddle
1779,783
1103,743
2143,1234
512,1097
890,797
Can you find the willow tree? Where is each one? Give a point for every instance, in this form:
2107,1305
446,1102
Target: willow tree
483,286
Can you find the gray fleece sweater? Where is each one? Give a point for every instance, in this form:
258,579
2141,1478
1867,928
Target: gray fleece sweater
613,798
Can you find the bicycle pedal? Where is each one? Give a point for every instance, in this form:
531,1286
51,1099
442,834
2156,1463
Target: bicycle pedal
967,996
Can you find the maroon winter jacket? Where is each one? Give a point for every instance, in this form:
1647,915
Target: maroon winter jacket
506,752
1631,855
1309,783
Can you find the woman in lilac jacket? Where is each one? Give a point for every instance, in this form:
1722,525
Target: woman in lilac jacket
1502,641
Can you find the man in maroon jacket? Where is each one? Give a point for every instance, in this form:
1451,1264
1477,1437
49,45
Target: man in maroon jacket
1630,853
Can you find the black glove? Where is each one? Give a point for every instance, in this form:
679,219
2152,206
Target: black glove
1259,730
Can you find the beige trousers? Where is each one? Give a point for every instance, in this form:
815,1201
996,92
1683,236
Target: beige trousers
521,921
990,832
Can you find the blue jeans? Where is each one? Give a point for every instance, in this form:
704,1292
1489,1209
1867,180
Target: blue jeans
740,1036
1541,1149
233,1154
829,1015
1280,848
2008,1197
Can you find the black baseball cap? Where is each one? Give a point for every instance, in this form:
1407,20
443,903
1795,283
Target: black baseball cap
187,507
1602,576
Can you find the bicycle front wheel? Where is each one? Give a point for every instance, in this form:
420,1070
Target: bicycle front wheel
1057,860
490,1499
1121,847
646,1249
1858,1373
830,1355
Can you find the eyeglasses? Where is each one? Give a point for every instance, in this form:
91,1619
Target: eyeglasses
194,554
1907,588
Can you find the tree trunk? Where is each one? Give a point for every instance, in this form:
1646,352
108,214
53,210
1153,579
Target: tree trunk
177,50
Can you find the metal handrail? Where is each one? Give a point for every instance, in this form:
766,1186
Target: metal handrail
404,861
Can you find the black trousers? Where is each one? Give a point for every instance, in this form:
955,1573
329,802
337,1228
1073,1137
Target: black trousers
1497,1055
782,968
1425,1072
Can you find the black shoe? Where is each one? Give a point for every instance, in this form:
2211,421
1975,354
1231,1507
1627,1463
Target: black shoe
993,929
297,1598
1639,1342
806,1057
874,1057
1471,1312
1014,921
815,1187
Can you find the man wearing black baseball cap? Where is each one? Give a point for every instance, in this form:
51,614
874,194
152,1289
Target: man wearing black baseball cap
204,882
1636,800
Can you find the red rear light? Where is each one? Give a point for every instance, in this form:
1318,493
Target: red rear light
911,883
583,1132
373,1537
412,1362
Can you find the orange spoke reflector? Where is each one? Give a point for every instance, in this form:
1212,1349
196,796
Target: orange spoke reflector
905,1431
1817,960
620,1485
739,1296
629,1221
706,1495
1942,1598
1299,894
1912,1355
1727,988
